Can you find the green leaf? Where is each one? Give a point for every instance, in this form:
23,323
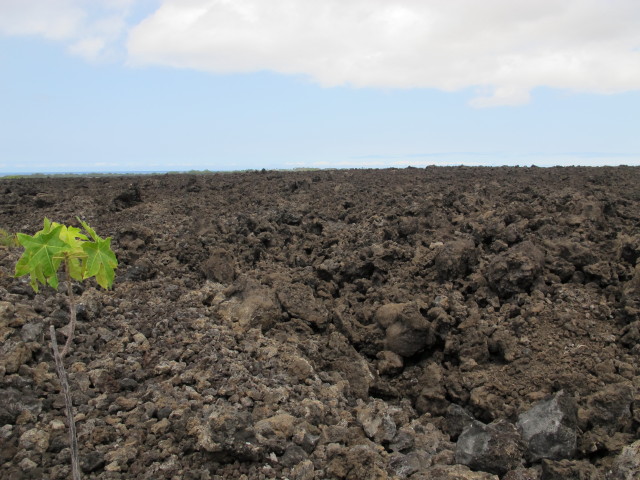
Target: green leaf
91,231
73,238
100,261
43,254
54,244
22,268
75,268
74,257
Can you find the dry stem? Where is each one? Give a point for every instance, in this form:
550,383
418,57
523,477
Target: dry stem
64,382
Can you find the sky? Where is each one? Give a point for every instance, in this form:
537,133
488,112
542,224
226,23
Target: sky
178,85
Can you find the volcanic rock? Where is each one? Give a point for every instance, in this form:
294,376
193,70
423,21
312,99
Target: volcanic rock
549,428
495,448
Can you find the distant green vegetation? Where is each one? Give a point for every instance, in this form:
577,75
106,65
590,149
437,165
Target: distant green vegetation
65,175
173,172
7,240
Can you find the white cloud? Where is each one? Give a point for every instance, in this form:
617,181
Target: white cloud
90,28
503,47
98,40
89,48
53,19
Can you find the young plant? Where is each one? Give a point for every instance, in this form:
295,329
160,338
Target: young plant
57,245
81,257
7,240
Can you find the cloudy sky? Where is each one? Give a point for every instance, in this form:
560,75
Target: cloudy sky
158,85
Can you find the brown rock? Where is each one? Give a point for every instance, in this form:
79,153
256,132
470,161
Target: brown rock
515,270
452,472
13,355
35,439
569,470
220,267
298,301
407,330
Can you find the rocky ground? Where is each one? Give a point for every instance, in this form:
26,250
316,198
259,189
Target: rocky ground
438,323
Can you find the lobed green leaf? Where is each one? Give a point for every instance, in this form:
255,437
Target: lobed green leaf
100,262
47,249
42,256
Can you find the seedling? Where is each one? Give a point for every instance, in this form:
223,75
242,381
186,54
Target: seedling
7,240
81,257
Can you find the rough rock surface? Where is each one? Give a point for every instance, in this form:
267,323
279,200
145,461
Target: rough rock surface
626,465
495,448
331,325
568,470
407,331
549,428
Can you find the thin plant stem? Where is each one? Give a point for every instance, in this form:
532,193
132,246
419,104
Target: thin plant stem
72,313
64,382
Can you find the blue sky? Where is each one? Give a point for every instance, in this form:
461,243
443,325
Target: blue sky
163,85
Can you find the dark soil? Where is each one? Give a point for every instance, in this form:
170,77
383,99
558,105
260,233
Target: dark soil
330,325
